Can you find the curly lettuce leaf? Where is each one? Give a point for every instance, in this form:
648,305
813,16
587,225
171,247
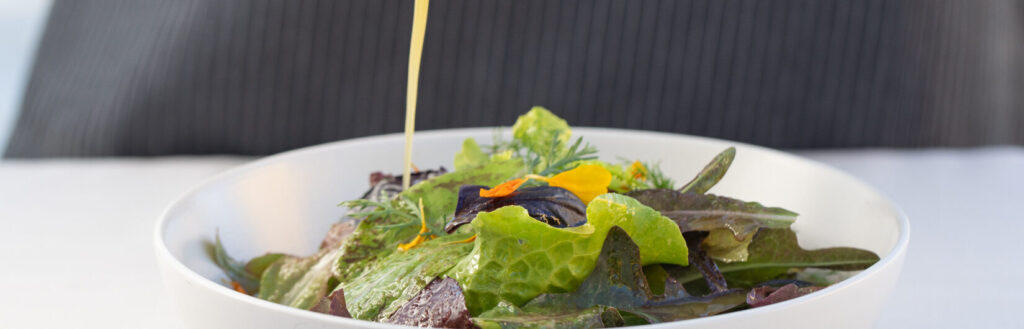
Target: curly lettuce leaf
388,284
516,258
540,131
299,282
470,156
618,283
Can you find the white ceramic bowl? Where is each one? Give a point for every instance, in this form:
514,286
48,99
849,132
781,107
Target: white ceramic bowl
285,203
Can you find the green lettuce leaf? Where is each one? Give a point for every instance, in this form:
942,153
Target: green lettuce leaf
516,258
470,156
299,282
397,278
540,129
376,238
775,251
730,222
712,173
618,283
511,317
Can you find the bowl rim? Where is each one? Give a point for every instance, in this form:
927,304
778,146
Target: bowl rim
166,258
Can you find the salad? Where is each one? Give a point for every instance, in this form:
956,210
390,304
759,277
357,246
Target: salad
537,231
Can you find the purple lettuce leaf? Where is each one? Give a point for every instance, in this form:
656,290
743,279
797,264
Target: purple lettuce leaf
555,206
333,304
712,173
439,305
766,295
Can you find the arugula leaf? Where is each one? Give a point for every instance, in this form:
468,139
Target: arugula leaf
712,173
516,257
470,156
731,222
767,295
246,275
383,288
510,317
775,251
513,318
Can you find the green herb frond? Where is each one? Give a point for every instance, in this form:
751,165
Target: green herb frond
657,178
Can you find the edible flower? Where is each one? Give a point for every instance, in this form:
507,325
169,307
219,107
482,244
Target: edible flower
586,181
470,239
503,189
638,171
420,237
238,287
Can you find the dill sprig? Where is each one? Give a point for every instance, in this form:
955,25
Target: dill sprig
397,209
657,178
555,159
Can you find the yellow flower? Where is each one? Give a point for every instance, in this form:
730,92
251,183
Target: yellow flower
586,181
420,237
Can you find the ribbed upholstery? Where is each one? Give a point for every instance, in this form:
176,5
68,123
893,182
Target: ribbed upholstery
143,77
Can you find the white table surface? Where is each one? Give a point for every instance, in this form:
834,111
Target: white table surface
76,236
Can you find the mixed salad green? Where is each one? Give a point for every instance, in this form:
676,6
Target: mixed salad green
538,232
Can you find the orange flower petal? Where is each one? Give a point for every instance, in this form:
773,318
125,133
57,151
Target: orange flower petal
238,287
503,189
586,181
638,171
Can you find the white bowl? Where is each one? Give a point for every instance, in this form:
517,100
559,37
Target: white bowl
285,203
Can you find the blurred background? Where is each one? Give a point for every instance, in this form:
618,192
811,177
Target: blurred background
147,77
21,22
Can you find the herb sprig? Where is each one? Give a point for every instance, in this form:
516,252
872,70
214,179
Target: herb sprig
399,207
555,159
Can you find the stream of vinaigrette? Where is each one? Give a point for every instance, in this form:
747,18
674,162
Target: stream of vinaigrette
419,29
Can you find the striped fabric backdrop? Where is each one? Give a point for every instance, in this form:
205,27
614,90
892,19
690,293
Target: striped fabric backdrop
144,77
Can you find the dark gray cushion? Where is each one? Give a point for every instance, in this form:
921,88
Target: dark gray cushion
149,77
